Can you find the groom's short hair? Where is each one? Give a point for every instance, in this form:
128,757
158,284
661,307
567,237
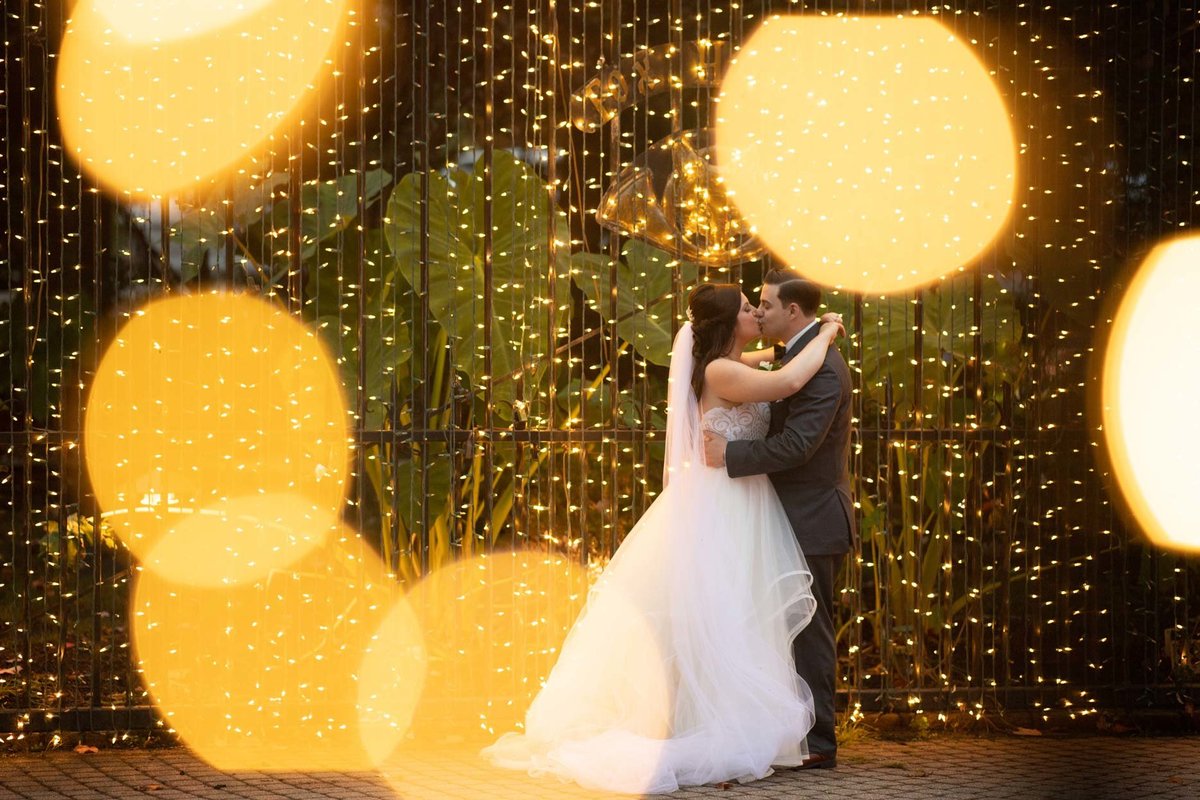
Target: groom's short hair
793,288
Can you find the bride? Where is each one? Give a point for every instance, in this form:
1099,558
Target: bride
679,671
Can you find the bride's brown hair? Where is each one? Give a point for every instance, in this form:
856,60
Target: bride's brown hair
713,309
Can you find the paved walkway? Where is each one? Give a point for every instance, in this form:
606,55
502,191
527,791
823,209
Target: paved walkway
1088,768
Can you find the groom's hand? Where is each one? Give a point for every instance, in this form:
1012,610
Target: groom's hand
714,449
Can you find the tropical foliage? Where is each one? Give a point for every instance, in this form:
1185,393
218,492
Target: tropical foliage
936,372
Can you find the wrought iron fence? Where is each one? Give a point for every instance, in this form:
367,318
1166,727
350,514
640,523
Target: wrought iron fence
504,354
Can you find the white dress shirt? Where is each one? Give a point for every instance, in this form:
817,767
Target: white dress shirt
796,338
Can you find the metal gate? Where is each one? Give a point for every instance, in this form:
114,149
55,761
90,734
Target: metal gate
433,212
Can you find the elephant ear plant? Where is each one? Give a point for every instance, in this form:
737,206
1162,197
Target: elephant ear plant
462,267
644,297
431,501
948,360
465,506
457,271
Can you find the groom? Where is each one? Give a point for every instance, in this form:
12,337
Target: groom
805,454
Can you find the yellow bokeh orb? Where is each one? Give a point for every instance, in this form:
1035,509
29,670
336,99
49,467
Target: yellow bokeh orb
165,20
873,154
204,399
494,624
313,667
154,97
239,540
495,627
1150,386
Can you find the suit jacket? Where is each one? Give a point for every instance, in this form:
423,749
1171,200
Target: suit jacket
806,454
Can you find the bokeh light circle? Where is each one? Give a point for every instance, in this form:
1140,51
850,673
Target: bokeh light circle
150,108
206,398
873,154
239,540
314,667
164,20
495,626
392,668
1150,387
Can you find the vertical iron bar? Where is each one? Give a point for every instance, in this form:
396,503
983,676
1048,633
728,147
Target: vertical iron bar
98,579
358,236
229,234
29,235
489,68
421,75
611,448
549,498
857,413
918,483
295,219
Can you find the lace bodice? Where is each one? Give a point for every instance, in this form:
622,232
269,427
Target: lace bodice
745,421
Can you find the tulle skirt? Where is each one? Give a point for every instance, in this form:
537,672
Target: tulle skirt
679,672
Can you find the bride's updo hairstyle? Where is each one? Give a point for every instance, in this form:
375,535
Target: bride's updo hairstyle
713,309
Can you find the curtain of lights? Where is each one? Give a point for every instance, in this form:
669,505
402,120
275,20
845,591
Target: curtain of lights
434,211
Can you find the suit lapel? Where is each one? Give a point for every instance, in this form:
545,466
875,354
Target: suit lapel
779,407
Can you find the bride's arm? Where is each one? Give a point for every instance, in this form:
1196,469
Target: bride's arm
752,358
738,383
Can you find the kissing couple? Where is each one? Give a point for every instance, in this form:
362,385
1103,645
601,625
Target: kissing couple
706,651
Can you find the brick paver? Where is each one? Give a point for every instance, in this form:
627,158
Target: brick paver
951,767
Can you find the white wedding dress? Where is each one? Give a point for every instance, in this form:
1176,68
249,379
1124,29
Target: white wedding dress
679,672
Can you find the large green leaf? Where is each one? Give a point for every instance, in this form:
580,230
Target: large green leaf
407,481
644,294
332,304
947,341
327,208
387,357
200,231
520,267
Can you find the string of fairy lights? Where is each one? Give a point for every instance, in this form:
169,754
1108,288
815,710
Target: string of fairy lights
433,212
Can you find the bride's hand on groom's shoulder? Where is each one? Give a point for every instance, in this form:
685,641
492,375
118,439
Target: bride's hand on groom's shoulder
832,321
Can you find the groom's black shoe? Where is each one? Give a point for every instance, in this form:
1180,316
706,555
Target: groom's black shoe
819,761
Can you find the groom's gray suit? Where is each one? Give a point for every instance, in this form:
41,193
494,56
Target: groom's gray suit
806,455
